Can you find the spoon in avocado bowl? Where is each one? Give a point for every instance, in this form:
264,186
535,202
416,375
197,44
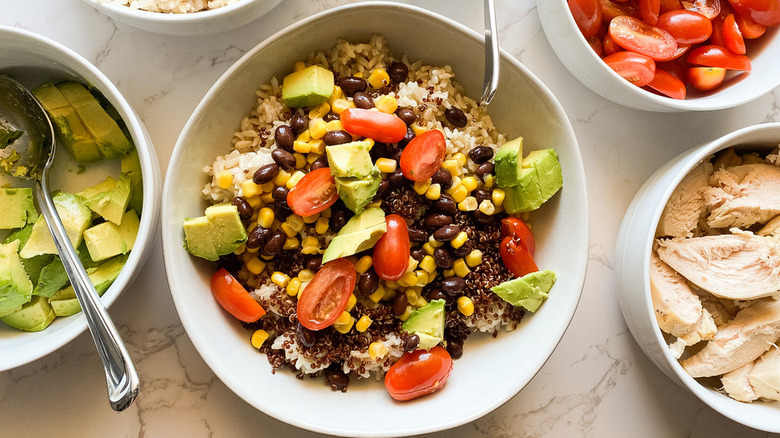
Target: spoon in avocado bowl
27,152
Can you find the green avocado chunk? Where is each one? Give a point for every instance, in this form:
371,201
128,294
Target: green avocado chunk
15,285
131,166
18,208
101,276
33,266
308,87
526,196
528,291
218,233
548,168
360,233
357,193
109,199
75,216
540,179
509,163
107,240
427,322
32,317
350,159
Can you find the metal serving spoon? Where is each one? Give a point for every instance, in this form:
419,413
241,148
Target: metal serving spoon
31,157
490,83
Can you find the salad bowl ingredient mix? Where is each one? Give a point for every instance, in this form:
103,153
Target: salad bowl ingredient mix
369,218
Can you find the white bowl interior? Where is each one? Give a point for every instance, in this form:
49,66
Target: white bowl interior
32,60
491,370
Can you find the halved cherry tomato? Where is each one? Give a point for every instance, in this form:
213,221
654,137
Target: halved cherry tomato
382,127
514,227
315,192
326,296
635,68
717,56
649,10
587,15
418,373
716,38
610,10
708,8
610,46
764,12
685,26
391,251
642,38
422,157
595,44
670,5
732,36
706,78
667,84
681,50
234,298
516,257
749,28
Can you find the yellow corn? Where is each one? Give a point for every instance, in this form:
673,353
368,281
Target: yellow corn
281,178
304,136
458,193
305,275
453,167
417,129
317,146
296,222
239,250
298,66
313,156
409,279
300,160
344,324
319,111
434,192
377,295
460,157
470,183
339,105
369,142
428,248
412,264
498,196
459,240
412,295
377,351
387,103
280,279
302,147
266,217
321,226
277,223
225,179
474,258
288,230
291,243
310,245
488,179
422,277
294,178
255,201
338,93
302,288
487,207
392,284
407,313
267,198
448,273
378,78
363,323
358,74
389,294
460,268
247,256
255,266
428,264
434,243
334,125
311,219
469,203
364,264
465,306
259,337
386,165
422,186
317,127
249,188
268,187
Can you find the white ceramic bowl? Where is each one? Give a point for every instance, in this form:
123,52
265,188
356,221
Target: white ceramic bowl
633,261
492,370
575,53
32,60
195,23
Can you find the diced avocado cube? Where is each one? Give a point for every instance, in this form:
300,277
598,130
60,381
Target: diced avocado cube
218,233
350,159
107,240
308,87
75,216
356,193
509,163
32,317
33,266
131,166
18,208
52,278
528,291
428,323
101,277
549,170
15,286
197,238
67,307
73,134
357,235
526,196
109,199
369,218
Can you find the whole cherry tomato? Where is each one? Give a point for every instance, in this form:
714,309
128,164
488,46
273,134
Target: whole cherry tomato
732,36
422,157
706,78
749,28
391,251
635,68
418,373
382,127
514,227
234,298
587,15
326,296
685,26
708,8
642,38
315,192
516,257
667,84
764,12
649,10
717,56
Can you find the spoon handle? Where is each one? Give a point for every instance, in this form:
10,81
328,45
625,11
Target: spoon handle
490,83
121,376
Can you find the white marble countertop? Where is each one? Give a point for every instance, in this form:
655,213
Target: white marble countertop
597,382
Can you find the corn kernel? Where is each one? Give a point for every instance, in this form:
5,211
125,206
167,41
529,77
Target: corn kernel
259,337
460,268
293,286
299,65
428,264
428,248
407,313
453,167
311,219
387,103
294,178
386,165
417,129
338,93
389,294
412,296
339,105
422,277
465,306
363,323
240,250
317,146
448,273
377,295
288,229
469,203
459,240
498,196
291,243
313,156
358,74
317,128
392,284
255,266
277,223
409,279
434,243
310,250
255,201
460,157
470,183
363,265
412,264
311,241
370,142
302,288
321,226
434,192
377,351
422,186
487,207
319,111
474,258
344,324
267,198
280,279
488,180
225,179
296,222
459,193
302,147
281,178
305,275
304,136
249,188
378,78
266,217
334,125
252,250
300,160
268,187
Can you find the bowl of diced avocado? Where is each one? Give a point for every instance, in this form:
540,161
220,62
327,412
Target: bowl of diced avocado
105,183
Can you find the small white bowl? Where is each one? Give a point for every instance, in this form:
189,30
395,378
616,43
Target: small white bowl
491,371
576,54
634,245
195,23
32,60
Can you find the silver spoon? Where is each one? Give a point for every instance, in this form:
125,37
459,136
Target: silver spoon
490,83
31,157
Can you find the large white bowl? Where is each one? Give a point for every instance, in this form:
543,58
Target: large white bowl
32,59
634,246
576,54
195,23
492,370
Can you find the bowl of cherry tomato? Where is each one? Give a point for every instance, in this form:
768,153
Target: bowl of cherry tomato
668,55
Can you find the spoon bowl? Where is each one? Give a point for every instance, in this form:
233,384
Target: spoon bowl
26,156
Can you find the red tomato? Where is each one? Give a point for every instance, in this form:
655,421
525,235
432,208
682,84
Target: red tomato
685,26
732,36
610,46
315,192
635,68
649,10
670,5
706,78
708,8
749,28
326,296
514,227
382,127
595,44
667,84
418,373
640,37
610,10
717,56
587,15
422,157
516,257
391,252
677,68
234,298
717,32
764,12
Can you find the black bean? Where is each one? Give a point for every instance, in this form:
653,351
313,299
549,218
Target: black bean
445,204
480,154
456,117
481,218
417,254
363,100
443,178
331,117
265,173
481,195
437,220
338,218
275,244
299,123
411,342
485,169
258,237
453,285
305,336
398,71
417,235
463,251
409,136
437,294
336,137
407,115
284,159
369,282
397,177
399,303
314,264
284,137
446,233
381,191
455,349
280,194
442,258
282,211
351,85
244,209
335,377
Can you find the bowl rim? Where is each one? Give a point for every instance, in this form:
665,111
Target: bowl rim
149,219
169,17
703,393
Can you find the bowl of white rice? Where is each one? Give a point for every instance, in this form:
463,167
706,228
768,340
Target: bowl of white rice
229,129
184,17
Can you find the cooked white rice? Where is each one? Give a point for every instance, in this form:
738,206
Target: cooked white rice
175,6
